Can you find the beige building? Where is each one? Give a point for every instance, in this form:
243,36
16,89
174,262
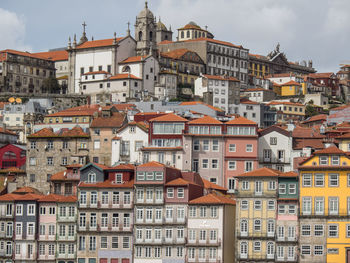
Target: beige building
51,151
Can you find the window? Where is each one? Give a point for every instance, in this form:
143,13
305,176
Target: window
231,184
291,209
196,145
273,140
307,182
306,205
244,205
323,160
248,166
292,189
306,250
49,160
170,192
245,185
333,205
32,161
319,205
257,246
318,230
244,249
249,148
114,242
272,185
205,163
214,163
257,225
258,187
333,180
232,165
31,210
205,145
282,189
215,146
335,160
232,148
281,209
318,250
257,205
280,232
202,211
319,180
180,192
271,205
305,230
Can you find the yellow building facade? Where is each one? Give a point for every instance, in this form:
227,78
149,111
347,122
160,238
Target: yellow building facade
325,207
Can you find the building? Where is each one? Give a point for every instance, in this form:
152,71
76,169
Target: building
222,92
329,79
211,231
318,99
256,215
12,155
49,151
103,129
105,225
324,206
25,73
289,111
128,143
220,57
7,214
287,223
259,94
192,31
290,88
275,148
66,181
338,115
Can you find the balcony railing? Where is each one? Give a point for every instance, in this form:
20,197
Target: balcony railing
251,193
205,242
255,234
282,160
326,214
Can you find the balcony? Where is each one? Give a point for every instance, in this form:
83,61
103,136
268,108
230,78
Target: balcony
255,234
255,257
5,235
66,255
175,220
46,237
67,219
287,259
149,201
66,238
204,260
205,242
148,241
252,193
4,253
153,221
275,160
46,257
119,205
342,213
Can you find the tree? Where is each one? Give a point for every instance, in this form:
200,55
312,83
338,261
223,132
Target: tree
310,111
50,85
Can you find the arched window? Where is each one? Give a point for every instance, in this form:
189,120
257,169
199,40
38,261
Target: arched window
140,35
182,34
92,178
270,248
150,35
188,33
244,227
244,249
126,69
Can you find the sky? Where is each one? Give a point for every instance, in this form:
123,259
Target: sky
317,30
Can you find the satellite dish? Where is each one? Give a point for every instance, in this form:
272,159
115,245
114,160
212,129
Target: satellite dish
18,100
12,99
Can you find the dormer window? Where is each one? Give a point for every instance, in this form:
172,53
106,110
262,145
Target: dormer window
118,178
75,171
92,178
335,160
323,160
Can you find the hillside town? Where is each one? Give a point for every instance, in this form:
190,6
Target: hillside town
153,147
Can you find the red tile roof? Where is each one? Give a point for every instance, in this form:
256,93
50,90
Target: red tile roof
77,131
205,120
314,143
171,117
179,182
59,55
289,174
135,59
9,197
330,150
176,53
28,197
319,117
212,199
21,53
344,136
124,167
27,190
124,106
204,39
124,76
261,172
320,75
84,110
115,121
306,132
281,75
291,83
98,43
221,78
152,164
247,101
241,120
7,131
210,185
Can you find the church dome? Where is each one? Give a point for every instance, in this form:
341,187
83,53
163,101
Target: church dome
191,25
146,12
161,26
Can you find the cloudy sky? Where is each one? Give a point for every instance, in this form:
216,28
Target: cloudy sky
306,29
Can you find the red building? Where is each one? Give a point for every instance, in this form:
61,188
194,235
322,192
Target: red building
328,79
12,155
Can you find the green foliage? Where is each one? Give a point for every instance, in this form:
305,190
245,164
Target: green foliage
310,111
51,85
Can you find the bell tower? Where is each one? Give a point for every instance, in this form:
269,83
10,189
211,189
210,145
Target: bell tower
145,31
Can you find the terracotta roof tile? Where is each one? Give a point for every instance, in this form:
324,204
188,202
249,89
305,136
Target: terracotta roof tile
27,189
300,143
7,131
115,121
28,197
21,53
58,55
171,117
261,172
291,83
134,59
124,167
320,75
176,53
98,43
210,185
215,77
53,198
77,131
330,150
289,174
319,117
344,136
307,132
247,101
84,110
205,120
212,199
152,164
9,197
241,120
179,182
281,75
124,76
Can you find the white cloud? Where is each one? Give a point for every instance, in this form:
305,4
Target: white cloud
12,31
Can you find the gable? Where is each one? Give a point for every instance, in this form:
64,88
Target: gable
280,59
192,57
91,169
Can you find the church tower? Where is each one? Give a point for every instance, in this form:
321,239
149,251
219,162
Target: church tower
163,33
145,31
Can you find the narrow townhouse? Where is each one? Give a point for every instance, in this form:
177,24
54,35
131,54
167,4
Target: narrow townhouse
324,217
287,224
275,148
204,145
66,181
256,215
105,224
240,150
165,142
211,229
153,241
26,227
7,213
